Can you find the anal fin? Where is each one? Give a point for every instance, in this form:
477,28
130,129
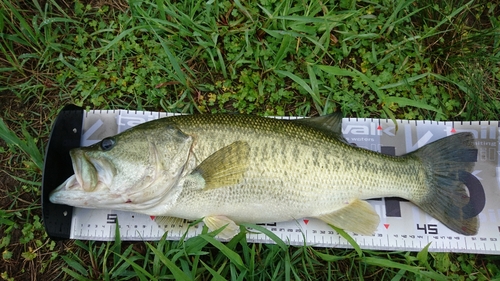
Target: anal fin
357,216
217,222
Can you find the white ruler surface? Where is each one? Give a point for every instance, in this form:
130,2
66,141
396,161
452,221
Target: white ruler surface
403,226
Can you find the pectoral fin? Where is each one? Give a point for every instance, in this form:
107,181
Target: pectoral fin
358,216
225,167
216,222
194,181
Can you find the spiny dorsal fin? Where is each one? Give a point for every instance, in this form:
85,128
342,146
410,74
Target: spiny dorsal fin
357,216
226,166
331,123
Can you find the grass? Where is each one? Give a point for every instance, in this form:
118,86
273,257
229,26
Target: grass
387,59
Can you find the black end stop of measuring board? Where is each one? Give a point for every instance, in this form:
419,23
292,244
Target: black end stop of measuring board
57,167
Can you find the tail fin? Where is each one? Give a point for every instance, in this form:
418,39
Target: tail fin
446,161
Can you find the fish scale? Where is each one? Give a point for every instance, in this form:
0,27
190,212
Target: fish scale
352,172
242,168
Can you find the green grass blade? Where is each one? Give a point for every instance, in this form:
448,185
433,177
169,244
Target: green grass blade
7,135
330,258
283,50
297,80
267,232
28,145
243,10
422,256
160,246
287,265
120,267
399,275
139,269
230,254
391,116
353,73
369,82
405,81
222,63
415,269
302,19
181,77
391,21
215,275
34,183
391,264
57,20
313,80
459,85
315,96
120,37
4,218
336,70
75,275
371,36
408,102
76,266
176,271
26,30
117,246
67,64
349,239
433,30
161,9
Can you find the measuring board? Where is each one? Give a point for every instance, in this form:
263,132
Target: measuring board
403,226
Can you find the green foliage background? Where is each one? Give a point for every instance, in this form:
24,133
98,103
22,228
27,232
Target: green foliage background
386,59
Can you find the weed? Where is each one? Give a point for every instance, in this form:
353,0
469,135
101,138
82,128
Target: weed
390,59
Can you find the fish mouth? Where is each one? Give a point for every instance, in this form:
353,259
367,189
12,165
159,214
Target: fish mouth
90,174
85,172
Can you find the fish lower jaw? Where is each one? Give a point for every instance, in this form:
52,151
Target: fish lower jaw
71,183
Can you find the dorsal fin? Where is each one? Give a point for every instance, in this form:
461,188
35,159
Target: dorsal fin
331,123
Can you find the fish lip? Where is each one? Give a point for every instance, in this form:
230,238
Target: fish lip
76,160
89,183
105,172
69,184
80,192
86,173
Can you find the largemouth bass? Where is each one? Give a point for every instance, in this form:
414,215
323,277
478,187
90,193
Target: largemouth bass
230,169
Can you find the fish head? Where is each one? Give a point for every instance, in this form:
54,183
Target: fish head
130,171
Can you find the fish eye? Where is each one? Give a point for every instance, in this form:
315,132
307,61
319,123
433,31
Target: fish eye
108,143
